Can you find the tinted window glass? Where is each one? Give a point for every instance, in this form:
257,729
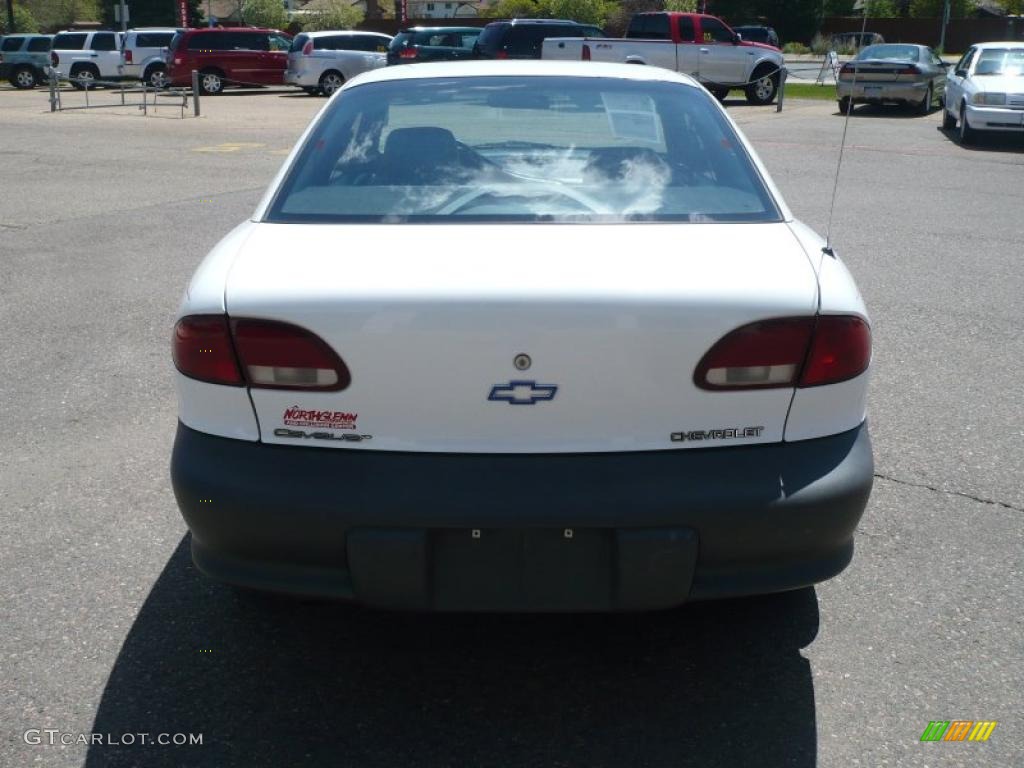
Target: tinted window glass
153,39
104,41
209,41
490,39
523,149
652,26
275,43
371,43
39,44
715,31
70,42
890,53
12,44
686,30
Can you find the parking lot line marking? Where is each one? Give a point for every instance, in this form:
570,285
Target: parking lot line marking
231,146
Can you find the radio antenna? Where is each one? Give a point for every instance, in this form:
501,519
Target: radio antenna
842,144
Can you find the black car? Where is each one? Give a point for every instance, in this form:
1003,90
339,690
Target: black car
522,38
758,34
432,44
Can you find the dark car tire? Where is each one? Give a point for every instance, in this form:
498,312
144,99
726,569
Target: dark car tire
719,93
925,107
311,91
24,78
764,86
82,75
211,82
330,81
844,104
948,120
156,77
967,134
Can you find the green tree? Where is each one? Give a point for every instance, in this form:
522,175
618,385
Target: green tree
881,9
932,9
264,13
330,14
584,11
683,6
511,9
52,15
24,21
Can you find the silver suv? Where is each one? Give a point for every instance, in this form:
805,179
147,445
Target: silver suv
144,54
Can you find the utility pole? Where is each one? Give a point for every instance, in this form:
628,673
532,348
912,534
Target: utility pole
945,21
124,17
10,17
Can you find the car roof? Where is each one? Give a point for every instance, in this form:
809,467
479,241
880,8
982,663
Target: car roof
1007,44
441,29
233,29
336,32
547,21
522,68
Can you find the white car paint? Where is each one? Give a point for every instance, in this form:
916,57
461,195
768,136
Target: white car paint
617,316
307,70
964,86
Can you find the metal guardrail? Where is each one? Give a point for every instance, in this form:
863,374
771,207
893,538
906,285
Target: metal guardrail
150,95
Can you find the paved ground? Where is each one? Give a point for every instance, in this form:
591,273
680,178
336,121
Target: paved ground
105,626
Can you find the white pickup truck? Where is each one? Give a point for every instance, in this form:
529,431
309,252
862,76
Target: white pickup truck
692,43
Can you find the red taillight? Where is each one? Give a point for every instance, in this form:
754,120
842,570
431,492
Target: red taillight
54,59
408,53
278,355
501,55
127,55
787,352
841,350
177,61
911,70
757,356
307,48
585,55
202,350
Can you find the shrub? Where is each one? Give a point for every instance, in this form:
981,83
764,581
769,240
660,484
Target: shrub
795,48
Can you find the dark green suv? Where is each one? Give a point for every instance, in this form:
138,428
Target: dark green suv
24,59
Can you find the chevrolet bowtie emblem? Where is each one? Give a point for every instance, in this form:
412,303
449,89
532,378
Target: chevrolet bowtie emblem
522,392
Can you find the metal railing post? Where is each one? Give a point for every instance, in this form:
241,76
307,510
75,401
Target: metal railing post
86,83
53,90
782,89
195,93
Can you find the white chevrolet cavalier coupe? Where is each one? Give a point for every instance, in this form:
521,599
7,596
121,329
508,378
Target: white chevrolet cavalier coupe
522,336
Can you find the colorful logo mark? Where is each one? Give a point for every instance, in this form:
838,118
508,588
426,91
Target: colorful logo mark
959,730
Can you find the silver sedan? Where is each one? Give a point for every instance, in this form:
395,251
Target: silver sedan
893,73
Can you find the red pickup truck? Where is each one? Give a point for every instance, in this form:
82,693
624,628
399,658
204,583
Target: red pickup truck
692,43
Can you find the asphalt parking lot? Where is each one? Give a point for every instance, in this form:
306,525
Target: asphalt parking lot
108,629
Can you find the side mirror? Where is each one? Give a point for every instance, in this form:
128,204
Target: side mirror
737,38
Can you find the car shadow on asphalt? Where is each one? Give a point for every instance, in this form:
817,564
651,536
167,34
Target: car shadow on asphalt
988,142
277,682
890,111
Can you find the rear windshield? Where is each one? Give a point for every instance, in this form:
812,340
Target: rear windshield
1005,62
890,53
11,44
72,41
522,149
491,37
39,44
437,38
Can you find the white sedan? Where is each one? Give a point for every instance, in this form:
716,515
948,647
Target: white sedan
528,336
985,91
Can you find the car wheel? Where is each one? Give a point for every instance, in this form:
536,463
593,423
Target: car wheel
925,107
719,93
763,87
330,82
211,82
157,77
84,77
24,78
966,132
844,104
948,120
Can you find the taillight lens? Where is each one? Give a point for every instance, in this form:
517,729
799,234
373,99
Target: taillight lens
911,70
787,352
408,53
202,350
757,356
277,355
840,350
54,59
128,56
585,55
307,48
501,55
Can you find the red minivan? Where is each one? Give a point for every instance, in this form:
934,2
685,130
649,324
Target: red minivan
223,57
